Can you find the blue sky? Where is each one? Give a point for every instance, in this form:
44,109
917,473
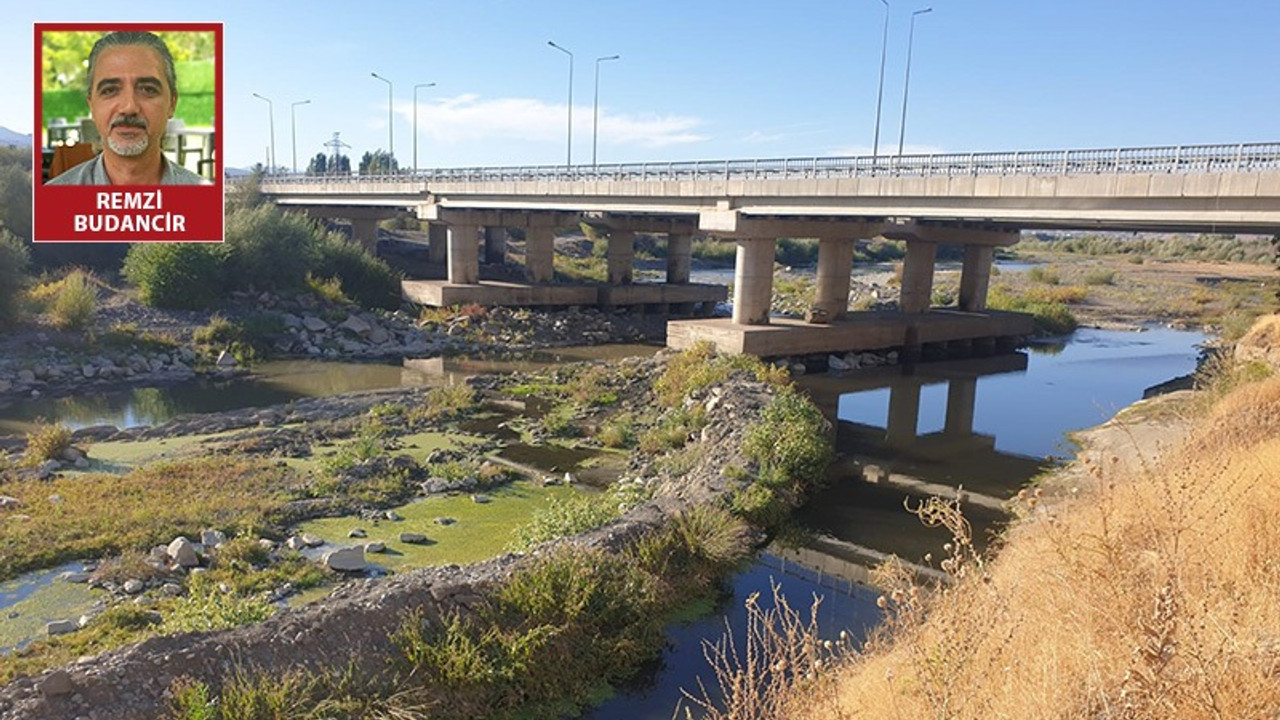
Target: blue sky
709,79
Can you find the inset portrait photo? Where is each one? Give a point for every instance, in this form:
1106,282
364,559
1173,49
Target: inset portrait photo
130,121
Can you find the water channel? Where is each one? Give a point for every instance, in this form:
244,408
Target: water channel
989,424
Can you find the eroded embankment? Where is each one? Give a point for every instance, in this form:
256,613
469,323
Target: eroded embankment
351,631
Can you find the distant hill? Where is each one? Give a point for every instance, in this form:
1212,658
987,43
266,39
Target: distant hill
9,137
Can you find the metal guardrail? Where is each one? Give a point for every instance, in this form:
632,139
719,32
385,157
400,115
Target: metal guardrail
1243,157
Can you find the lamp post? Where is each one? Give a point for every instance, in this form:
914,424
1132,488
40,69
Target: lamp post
568,163
293,131
906,85
271,119
884,51
595,107
415,122
391,137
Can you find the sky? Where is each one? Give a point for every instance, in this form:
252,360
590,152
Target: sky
712,79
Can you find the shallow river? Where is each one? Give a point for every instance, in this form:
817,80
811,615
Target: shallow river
988,424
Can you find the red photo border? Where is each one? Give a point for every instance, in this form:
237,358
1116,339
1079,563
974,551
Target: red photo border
201,206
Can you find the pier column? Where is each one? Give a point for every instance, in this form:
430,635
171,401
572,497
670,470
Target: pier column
464,254
753,281
904,412
437,243
679,258
621,256
495,245
962,393
917,277
975,277
365,232
539,254
835,267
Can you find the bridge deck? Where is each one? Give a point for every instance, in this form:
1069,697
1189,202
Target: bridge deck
859,332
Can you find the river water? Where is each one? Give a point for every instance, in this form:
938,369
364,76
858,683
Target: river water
988,424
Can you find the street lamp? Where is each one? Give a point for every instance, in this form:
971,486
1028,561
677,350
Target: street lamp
271,119
906,85
569,151
293,131
884,51
415,122
595,121
391,138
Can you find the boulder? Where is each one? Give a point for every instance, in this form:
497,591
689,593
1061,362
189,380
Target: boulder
411,538
295,542
212,538
57,683
312,540
74,577
88,370
355,324
226,360
357,533
183,552
350,559
26,377
61,627
376,546
314,324
837,363
481,499
134,586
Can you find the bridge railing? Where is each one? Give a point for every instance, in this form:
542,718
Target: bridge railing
1242,157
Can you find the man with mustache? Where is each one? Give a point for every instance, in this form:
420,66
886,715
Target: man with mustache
132,94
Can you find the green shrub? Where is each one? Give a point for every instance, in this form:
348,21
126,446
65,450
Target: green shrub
14,259
1051,318
1100,277
190,276
791,447
47,442
76,302
206,607
1044,275
564,517
269,249
362,277
797,252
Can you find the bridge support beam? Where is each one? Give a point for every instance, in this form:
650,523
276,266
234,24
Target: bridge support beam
464,254
835,268
365,232
904,414
679,258
437,243
621,256
495,245
917,277
753,281
539,254
975,277
962,394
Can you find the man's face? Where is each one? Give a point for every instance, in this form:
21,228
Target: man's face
129,99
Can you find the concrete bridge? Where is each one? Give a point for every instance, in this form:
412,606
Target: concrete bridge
979,201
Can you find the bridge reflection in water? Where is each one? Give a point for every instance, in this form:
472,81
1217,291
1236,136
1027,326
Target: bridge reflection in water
861,518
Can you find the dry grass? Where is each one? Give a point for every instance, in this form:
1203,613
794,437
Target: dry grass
1144,592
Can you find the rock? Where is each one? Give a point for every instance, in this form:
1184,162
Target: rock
481,499
291,321
57,683
377,336
314,324
393,516
8,502
413,538
61,627
376,546
295,542
357,533
346,559
72,455
171,589
5,385
356,325
312,540
26,377
226,360
88,370
212,538
133,586
266,544
74,577
183,552
837,363
47,468
445,521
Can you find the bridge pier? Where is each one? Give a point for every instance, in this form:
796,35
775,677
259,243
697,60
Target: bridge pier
975,277
464,254
621,256
539,254
962,395
917,277
437,243
495,245
679,257
835,269
753,281
365,232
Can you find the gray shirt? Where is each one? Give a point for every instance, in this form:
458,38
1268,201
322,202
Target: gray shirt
92,172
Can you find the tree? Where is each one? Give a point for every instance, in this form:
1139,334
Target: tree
378,162
15,201
319,165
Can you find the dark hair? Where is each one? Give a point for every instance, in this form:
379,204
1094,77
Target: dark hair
135,37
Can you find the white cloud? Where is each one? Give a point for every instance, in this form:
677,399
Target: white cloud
469,117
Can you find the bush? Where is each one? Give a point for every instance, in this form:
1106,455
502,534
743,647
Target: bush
1101,277
76,302
13,278
190,276
47,442
207,607
362,277
269,249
